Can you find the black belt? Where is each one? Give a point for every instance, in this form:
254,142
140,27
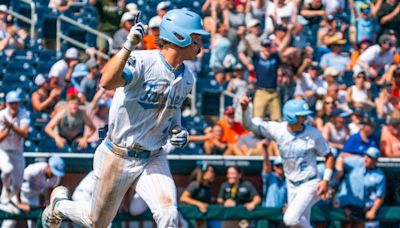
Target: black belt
124,152
297,183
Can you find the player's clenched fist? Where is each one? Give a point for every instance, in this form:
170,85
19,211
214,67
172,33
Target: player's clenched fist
135,35
180,137
244,102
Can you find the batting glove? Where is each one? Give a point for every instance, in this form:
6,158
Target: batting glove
135,35
179,138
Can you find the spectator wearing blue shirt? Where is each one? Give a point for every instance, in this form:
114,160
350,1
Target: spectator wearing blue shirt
363,189
365,25
358,143
335,58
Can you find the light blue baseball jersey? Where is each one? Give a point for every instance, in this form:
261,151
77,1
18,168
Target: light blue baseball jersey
144,111
274,190
361,186
298,151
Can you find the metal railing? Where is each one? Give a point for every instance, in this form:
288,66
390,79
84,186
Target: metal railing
222,102
61,35
31,21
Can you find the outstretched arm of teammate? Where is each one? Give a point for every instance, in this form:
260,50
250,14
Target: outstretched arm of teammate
246,118
323,185
112,76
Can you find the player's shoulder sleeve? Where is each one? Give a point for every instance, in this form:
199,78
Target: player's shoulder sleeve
134,68
321,144
270,129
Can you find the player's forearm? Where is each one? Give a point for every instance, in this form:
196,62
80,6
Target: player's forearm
112,73
185,198
4,133
51,132
247,123
21,131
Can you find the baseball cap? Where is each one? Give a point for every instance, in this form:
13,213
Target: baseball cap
128,16
132,8
9,19
92,64
364,8
358,72
339,113
331,71
301,20
266,43
3,8
13,96
155,22
229,111
373,152
80,70
164,5
386,39
72,53
72,91
253,22
314,65
330,18
40,79
57,166
277,161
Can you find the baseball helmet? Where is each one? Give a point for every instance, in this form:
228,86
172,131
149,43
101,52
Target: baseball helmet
183,23
294,108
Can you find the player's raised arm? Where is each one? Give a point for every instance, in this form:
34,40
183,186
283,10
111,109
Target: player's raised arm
246,118
113,75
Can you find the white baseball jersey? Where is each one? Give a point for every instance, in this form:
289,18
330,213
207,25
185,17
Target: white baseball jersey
13,142
298,151
35,180
144,111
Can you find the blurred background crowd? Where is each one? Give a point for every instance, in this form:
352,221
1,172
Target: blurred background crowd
340,56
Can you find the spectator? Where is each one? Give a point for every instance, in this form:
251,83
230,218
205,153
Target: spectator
89,84
253,144
356,118
336,131
79,73
236,191
127,21
314,12
3,14
60,5
280,9
234,15
330,74
376,57
363,189
44,98
383,104
14,124
358,95
358,143
335,59
13,38
238,86
330,31
392,77
162,9
274,183
150,39
213,144
390,138
258,9
97,111
389,16
231,129
252,40
325,114
61,72
281,40
39,178
67,126
199,191
300,36
361,47
365,25
265,64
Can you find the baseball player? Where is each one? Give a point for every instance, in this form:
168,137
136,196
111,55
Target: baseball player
145,112
14,123
38,178
299,144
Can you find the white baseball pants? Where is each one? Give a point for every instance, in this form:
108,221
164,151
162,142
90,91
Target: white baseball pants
12,165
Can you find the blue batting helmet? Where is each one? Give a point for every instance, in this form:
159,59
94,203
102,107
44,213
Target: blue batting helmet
183,23
294,108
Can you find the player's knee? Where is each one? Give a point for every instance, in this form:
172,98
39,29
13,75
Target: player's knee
291,220
167,216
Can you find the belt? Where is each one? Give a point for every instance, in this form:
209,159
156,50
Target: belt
267,90
128,153
297,183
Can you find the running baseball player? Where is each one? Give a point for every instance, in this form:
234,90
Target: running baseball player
38,178
14,123
299,144
145,112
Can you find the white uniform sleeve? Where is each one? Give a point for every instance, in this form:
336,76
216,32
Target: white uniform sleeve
321,145
133,70
269,129
368,55
25,120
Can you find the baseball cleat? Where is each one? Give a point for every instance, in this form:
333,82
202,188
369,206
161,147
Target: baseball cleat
49,218
10,207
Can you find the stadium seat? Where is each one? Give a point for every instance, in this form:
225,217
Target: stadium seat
49,145
44,67
30,146
24,55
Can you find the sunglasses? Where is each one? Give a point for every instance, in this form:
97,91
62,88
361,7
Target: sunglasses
328,102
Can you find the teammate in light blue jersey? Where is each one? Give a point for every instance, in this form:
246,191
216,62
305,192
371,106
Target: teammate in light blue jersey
299,145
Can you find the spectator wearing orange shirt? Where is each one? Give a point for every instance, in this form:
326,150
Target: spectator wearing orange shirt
232,129
150,40
390,138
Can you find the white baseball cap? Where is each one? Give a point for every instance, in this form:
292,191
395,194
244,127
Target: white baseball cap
155,22
72,53
3,8
132,8
164,5
127,17
40,79
252,22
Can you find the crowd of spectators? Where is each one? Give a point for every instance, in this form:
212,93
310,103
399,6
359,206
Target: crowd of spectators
341,57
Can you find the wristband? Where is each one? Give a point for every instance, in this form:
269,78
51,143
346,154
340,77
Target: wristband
129,46
328,174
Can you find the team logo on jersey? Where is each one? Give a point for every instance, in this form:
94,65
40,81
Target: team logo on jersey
159,94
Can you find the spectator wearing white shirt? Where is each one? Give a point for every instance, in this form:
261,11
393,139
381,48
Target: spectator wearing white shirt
358,94
38,179
14,123
61,72
376,57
